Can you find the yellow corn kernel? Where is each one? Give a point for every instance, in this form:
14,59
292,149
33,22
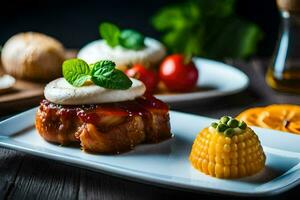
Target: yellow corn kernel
248,151
241,160
241,154
228,140
211,150
235,139
227,148
208,136
211,157
221,140
234,147
242,170
249,157
206,142
199,164
219,148
226,172
248,143
219,170
224,157
234,155
211,168
219,159
234,171
227,161
205,166
241,138
234,162
241,145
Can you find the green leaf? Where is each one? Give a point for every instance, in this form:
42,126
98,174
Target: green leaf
110,33
76,71
105,75
171,18
252,35
177,17
217,8
131,39
104,67
192,47
207,28
232,41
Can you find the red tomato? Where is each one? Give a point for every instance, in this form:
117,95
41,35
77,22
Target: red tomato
147,76
177,75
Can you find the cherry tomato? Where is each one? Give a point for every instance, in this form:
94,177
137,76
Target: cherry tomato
147,76
177,75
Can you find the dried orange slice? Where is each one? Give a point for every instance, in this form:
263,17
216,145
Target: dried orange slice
280,117
294,127
250,116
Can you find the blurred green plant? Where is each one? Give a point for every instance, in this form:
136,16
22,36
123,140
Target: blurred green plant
207,28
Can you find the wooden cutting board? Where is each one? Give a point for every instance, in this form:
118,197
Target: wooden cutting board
24,94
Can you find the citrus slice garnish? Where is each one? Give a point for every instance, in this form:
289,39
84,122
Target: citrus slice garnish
250,116
280,117
294,127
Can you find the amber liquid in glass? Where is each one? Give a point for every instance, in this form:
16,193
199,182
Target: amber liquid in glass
288,81
284,71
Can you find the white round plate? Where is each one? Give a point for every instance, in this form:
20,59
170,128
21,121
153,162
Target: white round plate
215,78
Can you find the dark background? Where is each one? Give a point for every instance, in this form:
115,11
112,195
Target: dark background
76,23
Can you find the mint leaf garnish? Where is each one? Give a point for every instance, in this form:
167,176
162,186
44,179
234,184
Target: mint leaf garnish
102,73
105,75
129,39
110,33
104,67
76,71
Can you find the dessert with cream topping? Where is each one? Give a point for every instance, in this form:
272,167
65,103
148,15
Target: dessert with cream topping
125,47
228,149
99,107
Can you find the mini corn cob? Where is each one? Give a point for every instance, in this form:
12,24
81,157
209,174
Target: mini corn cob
222,156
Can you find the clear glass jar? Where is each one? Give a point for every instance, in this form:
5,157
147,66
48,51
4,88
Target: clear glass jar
284,72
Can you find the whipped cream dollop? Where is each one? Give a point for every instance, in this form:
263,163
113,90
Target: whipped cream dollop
97,50
60,91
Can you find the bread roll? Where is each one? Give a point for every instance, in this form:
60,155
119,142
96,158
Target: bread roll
33,56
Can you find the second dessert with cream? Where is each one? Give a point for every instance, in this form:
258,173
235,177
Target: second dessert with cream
99,107
125,47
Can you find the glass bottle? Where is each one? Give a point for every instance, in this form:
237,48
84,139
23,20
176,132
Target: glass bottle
284,71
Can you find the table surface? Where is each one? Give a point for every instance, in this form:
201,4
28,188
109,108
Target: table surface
24,176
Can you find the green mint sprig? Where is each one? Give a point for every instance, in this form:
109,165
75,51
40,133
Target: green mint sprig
127,38
102,73
110,33
76,72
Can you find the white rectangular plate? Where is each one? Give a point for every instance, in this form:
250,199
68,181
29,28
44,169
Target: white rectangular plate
166,164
